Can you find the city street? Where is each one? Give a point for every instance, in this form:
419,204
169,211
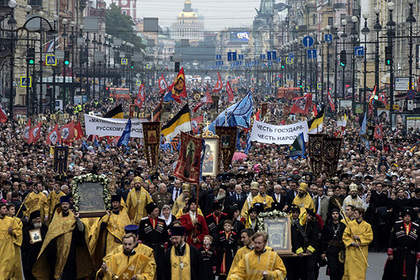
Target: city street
374,271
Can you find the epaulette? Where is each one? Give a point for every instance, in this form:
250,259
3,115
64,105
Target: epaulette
222,231
415,224
234,233
398,222
208,215
224,214
145,218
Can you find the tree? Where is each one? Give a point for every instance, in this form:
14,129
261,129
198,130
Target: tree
122,26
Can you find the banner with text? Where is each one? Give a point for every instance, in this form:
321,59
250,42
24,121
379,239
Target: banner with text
278,134
112,127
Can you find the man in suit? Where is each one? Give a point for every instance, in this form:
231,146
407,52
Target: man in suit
175,190
292,192
237,198
322,203
280,201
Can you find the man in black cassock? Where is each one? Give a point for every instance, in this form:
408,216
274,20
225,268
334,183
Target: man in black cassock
182,261
29,249
404,246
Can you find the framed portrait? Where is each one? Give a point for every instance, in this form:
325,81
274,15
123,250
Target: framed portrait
279,235
211,157
35,235
91,197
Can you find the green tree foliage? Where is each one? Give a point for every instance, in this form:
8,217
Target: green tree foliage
122,26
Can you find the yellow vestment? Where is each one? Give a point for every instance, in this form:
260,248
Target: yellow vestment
36,201
126,267
304,203
266,200
179,204
252,266
247,205
355,265
181,265
238,257
7,246
17,243
136,204
61,228
52,201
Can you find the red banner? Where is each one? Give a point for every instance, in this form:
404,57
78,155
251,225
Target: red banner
330,100
189,161
219,84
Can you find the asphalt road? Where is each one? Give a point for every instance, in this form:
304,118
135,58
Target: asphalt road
375,270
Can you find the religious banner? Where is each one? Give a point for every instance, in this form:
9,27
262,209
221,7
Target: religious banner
316,150
278,134
211,154
263,110
227,143
61,154
151,131
331,154
189,161
112,127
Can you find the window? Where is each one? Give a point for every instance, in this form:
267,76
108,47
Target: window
330,21
314,19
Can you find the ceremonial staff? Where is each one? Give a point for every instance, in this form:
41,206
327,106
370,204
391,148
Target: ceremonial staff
4,237
351,232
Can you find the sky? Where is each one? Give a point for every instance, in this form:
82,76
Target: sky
218,14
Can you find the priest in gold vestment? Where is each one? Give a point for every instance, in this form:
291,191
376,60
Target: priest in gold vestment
53,200
17,242
109,231
182,261
127,264
64,254
136,202
36,200
9,236
356,237
259,263
303,199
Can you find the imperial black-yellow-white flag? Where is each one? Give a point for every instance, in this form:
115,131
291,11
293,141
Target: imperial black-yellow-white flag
181,122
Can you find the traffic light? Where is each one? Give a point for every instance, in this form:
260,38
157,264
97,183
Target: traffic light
282,64
132,64
343,58
30,56
388,56
67,58
177,64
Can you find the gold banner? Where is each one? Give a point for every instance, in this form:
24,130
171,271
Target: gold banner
227,143
151,132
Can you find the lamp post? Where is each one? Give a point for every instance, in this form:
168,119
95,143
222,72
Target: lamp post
336,38
410,19
377,28
52,97
28,10
12,23
64,35
344,36
390,34
365,32
327,28
354,35
72,41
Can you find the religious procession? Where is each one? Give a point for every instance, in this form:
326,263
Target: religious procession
272,187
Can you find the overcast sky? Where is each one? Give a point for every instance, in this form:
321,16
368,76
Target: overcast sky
218,14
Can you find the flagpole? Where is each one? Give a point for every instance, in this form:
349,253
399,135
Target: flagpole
235,108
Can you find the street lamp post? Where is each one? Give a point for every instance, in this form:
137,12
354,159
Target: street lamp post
321,98
12,23
73,41
28,10
410,19
328,67
365,32
390,34
354,35
344,36
336,38
64,35
52,97
377,28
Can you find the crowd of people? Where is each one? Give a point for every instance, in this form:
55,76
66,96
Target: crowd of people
159,227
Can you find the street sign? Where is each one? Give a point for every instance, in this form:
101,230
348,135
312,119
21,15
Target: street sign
240,57
218,57
262,56
124,61
319,86
311,53
410,94
278,59
138,83
328,37
291,55
401,84
289,60
50,60
272,55
359,51
24,81
308,41
231,56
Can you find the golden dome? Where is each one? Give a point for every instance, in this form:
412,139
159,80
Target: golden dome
187,2
186,15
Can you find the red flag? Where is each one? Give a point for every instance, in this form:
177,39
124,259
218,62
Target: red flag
195,123
3,116
163,85
141,96
34,134
78,131
378,132
372,96
314,110
26,130
302,104
229,91
382,98
206,99
330,100
219,84
67,132
283,122
54,136
257,115
178,88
